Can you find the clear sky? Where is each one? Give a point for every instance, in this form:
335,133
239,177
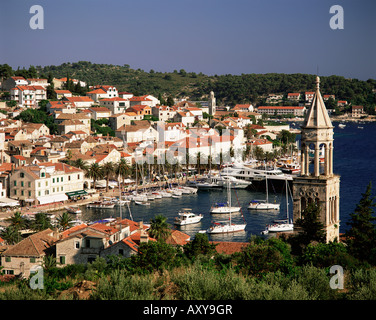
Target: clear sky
209,36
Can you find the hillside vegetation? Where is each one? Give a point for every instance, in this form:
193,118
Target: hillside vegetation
228,89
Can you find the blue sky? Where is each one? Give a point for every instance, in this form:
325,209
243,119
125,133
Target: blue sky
209,36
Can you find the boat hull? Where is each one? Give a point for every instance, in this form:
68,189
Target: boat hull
226,229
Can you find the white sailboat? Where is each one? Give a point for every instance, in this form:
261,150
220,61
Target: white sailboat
263,204
227,227
225,207
281,225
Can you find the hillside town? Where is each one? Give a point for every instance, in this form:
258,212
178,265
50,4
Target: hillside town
48,166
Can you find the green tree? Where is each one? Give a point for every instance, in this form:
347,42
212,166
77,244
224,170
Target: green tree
122,169
108,170
17,221
159,228
11,235
94,172
41,222
310,228
64,221
361,237
200,245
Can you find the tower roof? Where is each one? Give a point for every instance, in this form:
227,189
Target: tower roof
317,116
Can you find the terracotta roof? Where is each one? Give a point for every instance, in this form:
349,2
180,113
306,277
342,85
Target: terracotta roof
178,238
33,246
229,247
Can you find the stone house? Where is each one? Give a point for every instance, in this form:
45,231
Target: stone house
28,253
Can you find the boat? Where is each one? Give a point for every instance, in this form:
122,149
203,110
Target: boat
101,205
359,127
216,182
263,204
142,203
341,126
165,194
243,171
225,207
73,209
187,217
281,225
223,227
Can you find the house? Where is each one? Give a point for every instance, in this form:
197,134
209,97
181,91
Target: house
59,83
37,82
80,102
326,97
56,107
45,182
20,147
100,113
274,98
85,243
13,82
20,258
187,118
63,93
101,92
293,96
28,96
172,131
121,119
309,96
125,95
341,103
116,104
141,100
73,126
264,144
37,130
243,108
164,113
137,132
140,110
357,111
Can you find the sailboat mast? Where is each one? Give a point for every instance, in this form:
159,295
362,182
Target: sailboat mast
287,202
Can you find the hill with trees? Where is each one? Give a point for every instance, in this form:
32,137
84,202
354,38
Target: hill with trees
229,89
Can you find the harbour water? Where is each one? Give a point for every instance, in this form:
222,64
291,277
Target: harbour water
354,160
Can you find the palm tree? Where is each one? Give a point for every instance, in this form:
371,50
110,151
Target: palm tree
122,169
17,221
41,222
81,164
94,172
108,169
159,228
11,235
64,221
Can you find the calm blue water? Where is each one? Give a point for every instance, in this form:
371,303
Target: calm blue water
354,160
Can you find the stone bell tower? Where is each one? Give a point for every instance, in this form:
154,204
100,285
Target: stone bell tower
212,104
317,183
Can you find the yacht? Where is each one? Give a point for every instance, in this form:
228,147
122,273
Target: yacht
244,172
215,182
73,209
223,227
101,205
263,205
225,207
187,217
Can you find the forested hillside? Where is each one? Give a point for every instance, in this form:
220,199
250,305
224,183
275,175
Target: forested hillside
229,89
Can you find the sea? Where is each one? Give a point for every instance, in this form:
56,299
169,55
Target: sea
354,161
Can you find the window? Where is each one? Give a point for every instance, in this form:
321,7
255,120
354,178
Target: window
38,193
57,179
121,252
29,193
78,176
62,179
29,184
22,183
62,259
15,192
15,183
68,178
38,184
32,260
42,174
53,180
22,175
77,244
8,259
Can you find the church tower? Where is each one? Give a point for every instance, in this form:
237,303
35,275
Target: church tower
212,104
317,183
